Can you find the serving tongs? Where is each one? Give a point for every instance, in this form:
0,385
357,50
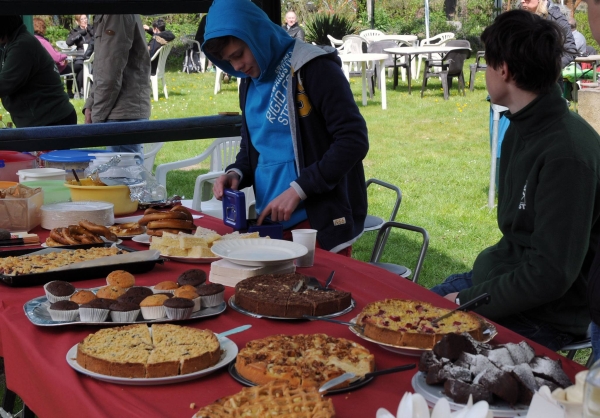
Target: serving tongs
482,299
351,376
313,283
357,327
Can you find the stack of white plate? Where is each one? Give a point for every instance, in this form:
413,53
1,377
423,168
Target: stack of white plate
69,213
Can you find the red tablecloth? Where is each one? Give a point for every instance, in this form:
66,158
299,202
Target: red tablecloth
36,368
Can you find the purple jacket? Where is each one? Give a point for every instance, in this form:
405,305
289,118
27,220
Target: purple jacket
59,59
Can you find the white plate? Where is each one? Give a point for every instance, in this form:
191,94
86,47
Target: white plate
258,251
43,244
432,393
490,332
136,218
191,260
228,354
142,239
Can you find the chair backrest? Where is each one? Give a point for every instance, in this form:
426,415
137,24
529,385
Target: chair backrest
379,46
371,35
150,150
356,43
335,42
456,59
224,152
161,55
439,39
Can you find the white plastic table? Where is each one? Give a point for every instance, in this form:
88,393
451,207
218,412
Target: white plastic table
410,52
363,59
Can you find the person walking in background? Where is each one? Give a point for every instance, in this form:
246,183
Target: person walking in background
548,195
292,27
80,35
580,42
160,37
30,87
121,89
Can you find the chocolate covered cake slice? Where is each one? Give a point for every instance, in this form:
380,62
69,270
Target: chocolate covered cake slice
460,391
550,370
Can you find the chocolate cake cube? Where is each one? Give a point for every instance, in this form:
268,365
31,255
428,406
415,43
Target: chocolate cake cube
450,371
549,369
433,375
460,391
299,304
499,356
427,360
527,383
520,353
500,383
452,345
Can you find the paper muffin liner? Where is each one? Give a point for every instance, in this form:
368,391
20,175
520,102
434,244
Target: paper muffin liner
197,304
178,313
64,316
153,312
212,300
51,298
93,314
158,291
129,316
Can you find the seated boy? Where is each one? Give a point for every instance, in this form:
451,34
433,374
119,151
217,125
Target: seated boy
303,138
548,195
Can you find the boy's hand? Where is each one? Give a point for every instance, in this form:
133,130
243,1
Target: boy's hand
88,116
281,207
230,180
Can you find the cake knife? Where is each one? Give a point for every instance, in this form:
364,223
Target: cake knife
234,330
348,375
482,299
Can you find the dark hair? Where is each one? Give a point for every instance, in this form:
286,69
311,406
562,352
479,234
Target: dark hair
530,46
9,24
160,24
216,45
39,26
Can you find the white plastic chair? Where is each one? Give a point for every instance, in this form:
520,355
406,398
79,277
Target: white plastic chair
88,77
336,43
439,39
64,47
71,75
222,152
161,55
219,76
371,35
150,150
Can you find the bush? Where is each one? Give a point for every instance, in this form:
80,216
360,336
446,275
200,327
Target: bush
319,25
583,26
56,33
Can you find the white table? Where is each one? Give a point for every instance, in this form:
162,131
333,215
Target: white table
363,59
410,52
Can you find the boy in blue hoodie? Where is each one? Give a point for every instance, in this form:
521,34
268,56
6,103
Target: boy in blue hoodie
303,138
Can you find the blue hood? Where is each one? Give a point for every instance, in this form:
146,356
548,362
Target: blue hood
246,21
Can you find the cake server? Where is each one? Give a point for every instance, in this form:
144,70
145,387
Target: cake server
482,299
234,330
348,376
360,328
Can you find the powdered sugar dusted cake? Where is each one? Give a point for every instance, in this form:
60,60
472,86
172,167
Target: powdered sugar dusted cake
510,372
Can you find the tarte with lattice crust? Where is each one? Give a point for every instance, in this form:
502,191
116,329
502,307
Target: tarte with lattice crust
408,323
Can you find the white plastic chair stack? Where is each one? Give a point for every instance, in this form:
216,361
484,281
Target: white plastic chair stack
161,55
439,39
150,150
336,43
222,152
219,76
88,77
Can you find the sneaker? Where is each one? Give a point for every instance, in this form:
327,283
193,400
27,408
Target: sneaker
76,96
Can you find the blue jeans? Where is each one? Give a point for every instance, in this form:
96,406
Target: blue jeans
534,329
595,336
137,148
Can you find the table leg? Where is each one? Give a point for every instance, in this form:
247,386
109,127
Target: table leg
594,68
409,56
364,82
395,71
382,83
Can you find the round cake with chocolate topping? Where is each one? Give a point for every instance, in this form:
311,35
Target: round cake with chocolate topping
288,296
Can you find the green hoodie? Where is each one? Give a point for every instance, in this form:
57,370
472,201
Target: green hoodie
30,86
548,213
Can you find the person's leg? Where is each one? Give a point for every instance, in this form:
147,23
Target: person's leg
78,68
67,70
538,331
454,283
595,336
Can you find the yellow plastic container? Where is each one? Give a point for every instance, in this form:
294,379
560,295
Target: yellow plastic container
117,195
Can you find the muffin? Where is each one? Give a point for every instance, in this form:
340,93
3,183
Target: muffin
110,292
135,299
178,308
193,277
139,291
64,310
184,288
189,294
124,312
95,310
82,296
58,290
212,294
165,287
120,278
152,306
